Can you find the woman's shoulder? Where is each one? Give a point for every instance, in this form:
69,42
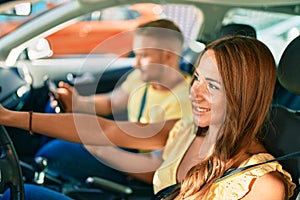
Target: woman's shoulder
269,186
270,176
259,180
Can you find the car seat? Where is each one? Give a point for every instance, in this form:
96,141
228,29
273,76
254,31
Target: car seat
283,136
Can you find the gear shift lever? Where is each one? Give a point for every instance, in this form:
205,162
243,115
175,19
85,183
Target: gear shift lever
40,166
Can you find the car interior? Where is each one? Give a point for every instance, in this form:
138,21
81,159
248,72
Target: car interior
27,90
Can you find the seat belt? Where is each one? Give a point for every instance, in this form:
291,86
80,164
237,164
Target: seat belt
143,102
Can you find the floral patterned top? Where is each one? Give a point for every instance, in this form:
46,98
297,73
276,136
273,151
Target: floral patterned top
232,188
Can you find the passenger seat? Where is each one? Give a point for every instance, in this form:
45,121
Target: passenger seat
284,135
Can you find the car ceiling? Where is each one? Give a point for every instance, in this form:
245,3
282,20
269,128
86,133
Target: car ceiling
219,2
208,29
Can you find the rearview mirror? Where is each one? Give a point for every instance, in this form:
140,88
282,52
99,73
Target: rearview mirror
20,9
39,49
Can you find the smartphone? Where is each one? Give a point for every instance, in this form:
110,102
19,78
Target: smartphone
55,103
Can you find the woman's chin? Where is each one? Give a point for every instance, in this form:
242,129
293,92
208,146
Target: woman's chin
200,122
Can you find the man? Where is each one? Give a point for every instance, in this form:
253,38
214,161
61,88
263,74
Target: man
156,90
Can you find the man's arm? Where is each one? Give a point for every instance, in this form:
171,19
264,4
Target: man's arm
125,161
138,165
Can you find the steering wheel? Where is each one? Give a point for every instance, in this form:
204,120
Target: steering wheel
10,170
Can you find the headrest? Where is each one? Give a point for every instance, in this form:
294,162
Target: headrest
289,67
236,29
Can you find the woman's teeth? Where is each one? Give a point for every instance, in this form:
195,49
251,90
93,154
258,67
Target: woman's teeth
202,109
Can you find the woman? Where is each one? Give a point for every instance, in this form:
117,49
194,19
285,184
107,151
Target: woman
231,96
239,73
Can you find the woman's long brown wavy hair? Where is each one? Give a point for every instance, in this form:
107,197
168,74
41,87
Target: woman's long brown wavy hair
248,71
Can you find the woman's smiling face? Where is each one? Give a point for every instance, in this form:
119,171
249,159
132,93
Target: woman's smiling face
207,93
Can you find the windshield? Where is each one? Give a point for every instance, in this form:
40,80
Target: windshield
8,23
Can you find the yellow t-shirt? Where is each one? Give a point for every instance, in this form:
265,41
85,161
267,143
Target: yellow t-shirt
159,105
181,137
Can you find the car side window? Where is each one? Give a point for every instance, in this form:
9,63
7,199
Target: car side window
119,13
94,33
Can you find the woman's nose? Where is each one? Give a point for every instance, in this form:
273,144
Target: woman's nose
198,89
200,85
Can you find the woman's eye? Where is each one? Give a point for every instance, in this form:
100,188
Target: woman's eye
196,78
212,86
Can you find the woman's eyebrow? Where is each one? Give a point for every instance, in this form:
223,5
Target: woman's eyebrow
212,80
207,78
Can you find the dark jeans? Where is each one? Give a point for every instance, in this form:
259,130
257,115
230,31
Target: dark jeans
34,192
74,161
